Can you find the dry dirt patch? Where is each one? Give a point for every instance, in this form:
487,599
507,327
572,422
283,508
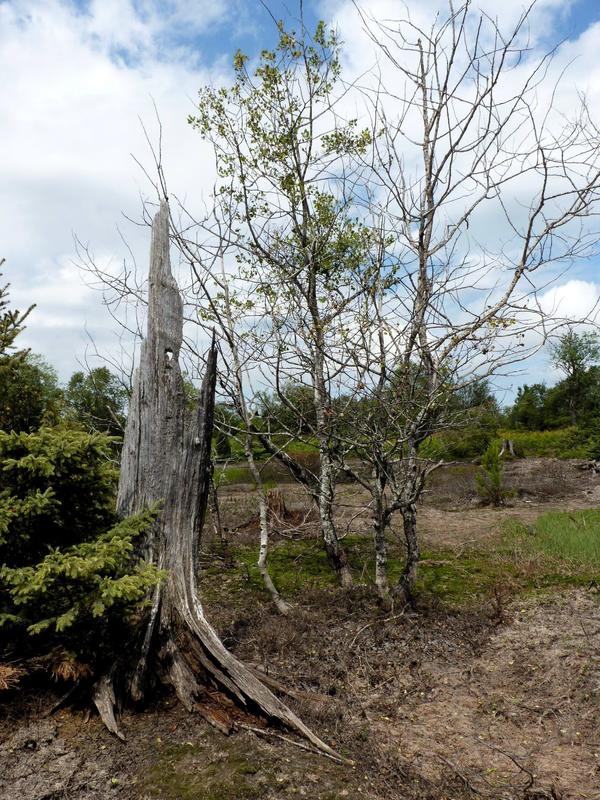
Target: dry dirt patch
522,718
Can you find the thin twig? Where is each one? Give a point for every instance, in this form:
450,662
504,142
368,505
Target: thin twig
458,773
374,622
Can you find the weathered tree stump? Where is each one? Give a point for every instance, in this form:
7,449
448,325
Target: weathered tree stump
507,447
166,457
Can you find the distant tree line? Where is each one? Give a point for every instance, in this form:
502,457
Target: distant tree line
31,396
574,400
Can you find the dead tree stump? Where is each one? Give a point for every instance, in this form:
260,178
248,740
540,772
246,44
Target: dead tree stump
507,446
166,457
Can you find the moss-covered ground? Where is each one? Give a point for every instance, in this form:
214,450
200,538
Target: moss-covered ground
560,550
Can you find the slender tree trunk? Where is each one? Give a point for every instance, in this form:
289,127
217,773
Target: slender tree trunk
280,604
265,527
166,457
335,551
326,491
381,558
215,512
240,400
406,584
573,405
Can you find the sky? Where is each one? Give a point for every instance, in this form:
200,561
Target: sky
81,82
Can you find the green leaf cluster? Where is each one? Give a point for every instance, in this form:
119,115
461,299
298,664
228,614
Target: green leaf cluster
280,149
29,394
29,390
83,582
574,400
97,400
12,323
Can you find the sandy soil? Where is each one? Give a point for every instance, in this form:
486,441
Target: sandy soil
522,717
429,707
432,704
450,514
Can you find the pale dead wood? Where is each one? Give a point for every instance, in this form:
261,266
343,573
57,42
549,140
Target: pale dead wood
272,734
167,457
105,701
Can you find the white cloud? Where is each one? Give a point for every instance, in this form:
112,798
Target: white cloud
575,67
73,86
70,121
575,300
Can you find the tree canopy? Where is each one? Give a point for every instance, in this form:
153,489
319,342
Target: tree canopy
97,400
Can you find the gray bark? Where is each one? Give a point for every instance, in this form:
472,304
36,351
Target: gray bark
247,416
265,527
406,584
166,457
334,549
507,444
326,492
215,513
380,544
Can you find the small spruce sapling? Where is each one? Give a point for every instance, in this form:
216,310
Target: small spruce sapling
490,482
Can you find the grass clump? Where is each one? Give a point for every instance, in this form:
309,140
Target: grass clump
301,566
294,566
459,580
194,772
572,537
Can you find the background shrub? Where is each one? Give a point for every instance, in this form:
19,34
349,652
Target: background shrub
572,442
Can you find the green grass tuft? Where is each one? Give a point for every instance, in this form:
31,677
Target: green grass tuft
572,537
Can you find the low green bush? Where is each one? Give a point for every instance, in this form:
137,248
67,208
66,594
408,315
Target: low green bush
71,587
489,479
70,576
468,443
457,445
570,442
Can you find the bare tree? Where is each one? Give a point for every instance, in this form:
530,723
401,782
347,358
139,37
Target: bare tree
481,197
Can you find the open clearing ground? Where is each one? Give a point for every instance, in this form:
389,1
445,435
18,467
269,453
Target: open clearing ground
489,688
